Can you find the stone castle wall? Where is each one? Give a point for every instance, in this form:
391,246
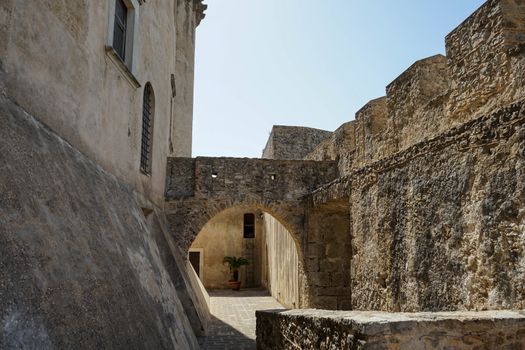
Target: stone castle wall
434,185
292,142
441,226
58,67
81,267
482,72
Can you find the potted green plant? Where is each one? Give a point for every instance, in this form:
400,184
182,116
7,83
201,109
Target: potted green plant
235,264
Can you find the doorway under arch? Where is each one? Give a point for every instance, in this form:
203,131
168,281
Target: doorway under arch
254,233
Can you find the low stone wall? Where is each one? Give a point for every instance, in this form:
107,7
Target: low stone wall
323,330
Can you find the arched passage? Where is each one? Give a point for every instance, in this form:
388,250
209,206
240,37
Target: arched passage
198,189
275,260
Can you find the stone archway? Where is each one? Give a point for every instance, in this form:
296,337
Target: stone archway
274,255
198,189
189,218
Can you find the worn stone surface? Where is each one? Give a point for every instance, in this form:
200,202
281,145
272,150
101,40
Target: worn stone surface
340,146
373,141
327,251
485,60
280,263
193,296
56,68
447,225
274,186
293,142
317,329
79,265
411,99
233,325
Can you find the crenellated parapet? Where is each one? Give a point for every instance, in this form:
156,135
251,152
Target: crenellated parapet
484,70
371,133
412,100
485,60
340,146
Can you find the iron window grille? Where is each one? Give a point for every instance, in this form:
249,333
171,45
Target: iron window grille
147,130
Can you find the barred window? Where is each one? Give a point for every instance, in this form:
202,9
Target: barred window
147,129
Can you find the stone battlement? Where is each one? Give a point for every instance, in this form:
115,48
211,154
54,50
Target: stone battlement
483,71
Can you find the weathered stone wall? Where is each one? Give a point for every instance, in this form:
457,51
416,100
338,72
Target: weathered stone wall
485,60
57,68
192,295
280,263
80,268
317,329
238,177
188,14
277,187
373,141
440,226
340,146
411,101
293,142
327,257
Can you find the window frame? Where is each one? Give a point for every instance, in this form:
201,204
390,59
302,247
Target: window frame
122,24
246,225
131,39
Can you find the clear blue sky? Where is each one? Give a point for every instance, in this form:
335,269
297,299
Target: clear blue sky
304,62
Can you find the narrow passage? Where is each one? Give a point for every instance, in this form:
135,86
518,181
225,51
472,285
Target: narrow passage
233,323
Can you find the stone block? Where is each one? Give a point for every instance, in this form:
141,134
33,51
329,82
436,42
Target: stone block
411,99
372,139
348,330
319,279
293,142
332,291
312,264
486,60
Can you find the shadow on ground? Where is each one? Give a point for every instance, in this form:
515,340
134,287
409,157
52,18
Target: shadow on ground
222,336
233,318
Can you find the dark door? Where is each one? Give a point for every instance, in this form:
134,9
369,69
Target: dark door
195,258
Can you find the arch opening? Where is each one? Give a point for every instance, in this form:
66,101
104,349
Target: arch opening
259,235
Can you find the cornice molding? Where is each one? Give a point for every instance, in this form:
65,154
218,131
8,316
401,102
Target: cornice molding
199,8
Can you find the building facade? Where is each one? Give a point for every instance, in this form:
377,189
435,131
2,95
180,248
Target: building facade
93,71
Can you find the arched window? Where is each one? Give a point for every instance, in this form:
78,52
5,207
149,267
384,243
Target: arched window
148,111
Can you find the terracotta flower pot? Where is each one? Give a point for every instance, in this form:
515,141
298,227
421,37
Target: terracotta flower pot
234,285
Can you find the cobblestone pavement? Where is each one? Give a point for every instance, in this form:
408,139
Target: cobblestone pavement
233,324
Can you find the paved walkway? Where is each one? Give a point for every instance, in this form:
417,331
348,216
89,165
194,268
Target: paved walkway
233,324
